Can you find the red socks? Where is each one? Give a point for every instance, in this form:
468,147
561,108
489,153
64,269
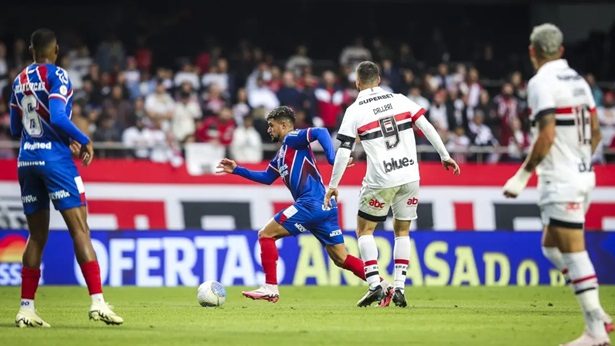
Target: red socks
91,274
355,265
269,259
29,282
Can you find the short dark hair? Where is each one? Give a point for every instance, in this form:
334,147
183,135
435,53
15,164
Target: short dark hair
41,39
282,113
367,72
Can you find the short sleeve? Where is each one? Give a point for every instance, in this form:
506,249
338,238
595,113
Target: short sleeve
60,85
348,128
540,99
298,139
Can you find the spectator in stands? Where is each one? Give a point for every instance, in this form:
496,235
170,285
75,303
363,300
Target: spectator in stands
4,66
159,106
443,79
6,152
481,135
80,119
213,100
241,108
458,144
187,73
261,96
606,116
133,78
139,139
391,76
122,108
329,101
471,87
217,129
415,95
247,145
518,143
506,107
107,133
187,111
441,114
352,55
219,74
110,53
299,62
289,94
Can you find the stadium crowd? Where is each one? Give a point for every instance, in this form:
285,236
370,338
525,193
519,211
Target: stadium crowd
133,108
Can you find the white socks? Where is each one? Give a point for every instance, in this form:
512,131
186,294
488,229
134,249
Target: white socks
27,304
555,257
369,255
585,286
97,298
401,256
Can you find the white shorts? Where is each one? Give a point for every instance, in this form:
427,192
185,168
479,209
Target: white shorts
564,204
374,204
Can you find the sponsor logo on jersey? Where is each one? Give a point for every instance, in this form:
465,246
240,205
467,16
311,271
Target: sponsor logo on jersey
300,227
573,206
395,164
59,194
37,146
30,163
381,109
375,98
335,233
376,203
38,86
413,201
28,199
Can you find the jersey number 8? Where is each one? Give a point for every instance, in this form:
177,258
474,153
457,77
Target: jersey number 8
30,118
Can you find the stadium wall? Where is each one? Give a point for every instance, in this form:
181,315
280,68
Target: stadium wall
188,258
149,196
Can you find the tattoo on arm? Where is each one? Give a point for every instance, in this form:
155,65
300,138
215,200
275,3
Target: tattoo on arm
546,136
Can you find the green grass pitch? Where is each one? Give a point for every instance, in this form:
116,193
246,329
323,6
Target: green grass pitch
305,316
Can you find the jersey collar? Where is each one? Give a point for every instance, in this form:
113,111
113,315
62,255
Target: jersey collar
365,92
554,64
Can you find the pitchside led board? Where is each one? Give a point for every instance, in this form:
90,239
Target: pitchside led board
191,257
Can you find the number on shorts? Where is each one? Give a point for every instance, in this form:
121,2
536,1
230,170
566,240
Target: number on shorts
30,118
388,126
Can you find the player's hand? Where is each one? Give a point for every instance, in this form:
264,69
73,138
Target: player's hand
86,153
331,193
450,163
75,148
350,162
226,166
516,183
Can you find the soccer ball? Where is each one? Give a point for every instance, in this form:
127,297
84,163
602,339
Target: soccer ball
211,293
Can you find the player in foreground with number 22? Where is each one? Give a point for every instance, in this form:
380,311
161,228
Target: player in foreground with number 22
295,164
566,132
41,104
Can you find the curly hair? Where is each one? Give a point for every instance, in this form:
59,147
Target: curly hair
282,113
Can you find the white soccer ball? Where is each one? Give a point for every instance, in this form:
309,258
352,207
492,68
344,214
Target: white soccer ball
211,293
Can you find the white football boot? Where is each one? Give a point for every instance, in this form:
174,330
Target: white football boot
101,311
29,318
266,292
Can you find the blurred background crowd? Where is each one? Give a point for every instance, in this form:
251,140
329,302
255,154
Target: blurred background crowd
139,101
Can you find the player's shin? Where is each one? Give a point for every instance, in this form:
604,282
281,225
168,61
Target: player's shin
269,260
29,284
554,256
91,274
355,265
585,285
401,256
369,254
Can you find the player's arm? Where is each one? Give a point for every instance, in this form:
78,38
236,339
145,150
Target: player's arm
539,150
324,139
434,138
595,128
15,117
342,160
267,176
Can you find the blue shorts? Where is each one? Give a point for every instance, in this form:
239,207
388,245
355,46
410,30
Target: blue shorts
58,181
300,218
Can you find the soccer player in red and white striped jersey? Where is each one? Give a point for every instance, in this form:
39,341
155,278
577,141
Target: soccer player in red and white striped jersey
566,134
